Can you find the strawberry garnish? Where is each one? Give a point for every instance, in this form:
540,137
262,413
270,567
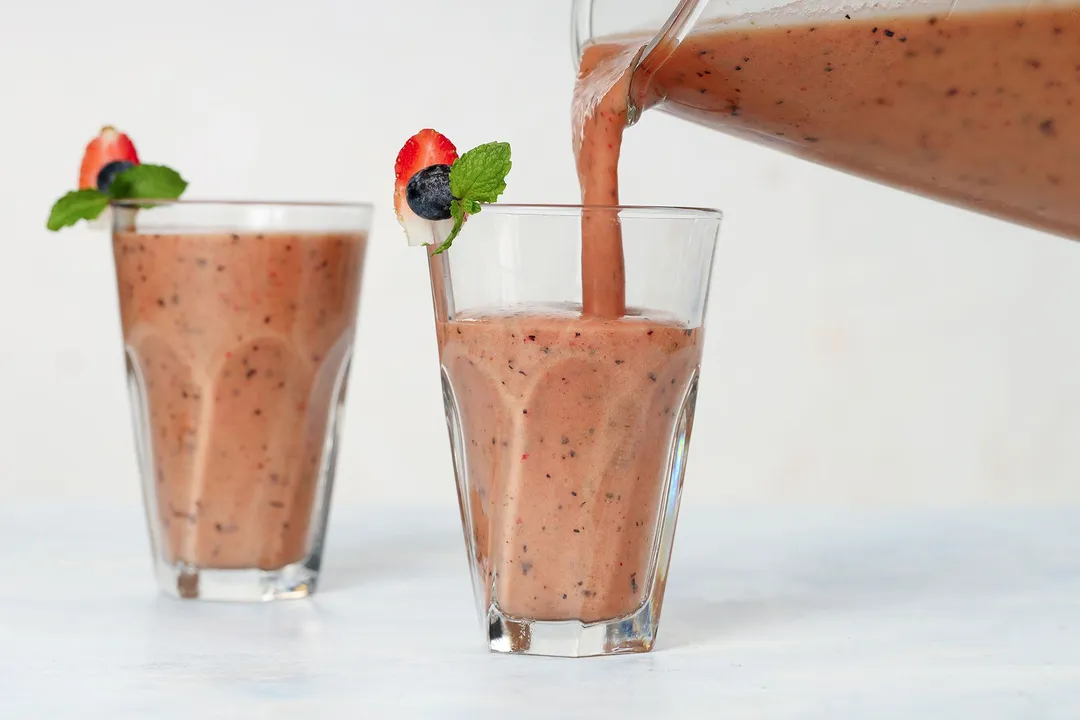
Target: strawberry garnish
422,150
109,146
111,171
435,191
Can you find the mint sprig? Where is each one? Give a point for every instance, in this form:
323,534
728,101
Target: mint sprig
149,182
478,176
75,206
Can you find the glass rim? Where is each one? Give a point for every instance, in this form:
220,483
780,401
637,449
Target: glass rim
138,203
658,212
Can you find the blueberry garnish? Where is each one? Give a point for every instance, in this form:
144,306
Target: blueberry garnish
428,193
108,173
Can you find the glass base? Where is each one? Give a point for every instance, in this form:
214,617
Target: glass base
187,582
633,633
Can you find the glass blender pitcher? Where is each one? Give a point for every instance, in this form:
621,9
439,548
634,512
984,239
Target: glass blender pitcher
972,102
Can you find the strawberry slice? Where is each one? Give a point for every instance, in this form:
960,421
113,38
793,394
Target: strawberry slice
107,147
422,150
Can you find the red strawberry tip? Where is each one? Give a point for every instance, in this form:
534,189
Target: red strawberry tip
109,146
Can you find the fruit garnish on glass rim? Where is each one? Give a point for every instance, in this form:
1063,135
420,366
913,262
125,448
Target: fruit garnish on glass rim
435,190
111,171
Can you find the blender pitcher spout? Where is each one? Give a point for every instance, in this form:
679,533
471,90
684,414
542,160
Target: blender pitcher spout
656,46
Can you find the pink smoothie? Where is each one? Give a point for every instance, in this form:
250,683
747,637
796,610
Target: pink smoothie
239,341
567,424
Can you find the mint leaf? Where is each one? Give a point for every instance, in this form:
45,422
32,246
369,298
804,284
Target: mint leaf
150,182
75,206
480,174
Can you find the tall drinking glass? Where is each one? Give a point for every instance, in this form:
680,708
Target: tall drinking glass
569,432
238,323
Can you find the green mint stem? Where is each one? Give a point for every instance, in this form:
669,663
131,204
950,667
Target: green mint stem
458,222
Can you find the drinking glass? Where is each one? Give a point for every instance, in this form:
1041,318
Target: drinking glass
569,431
238,321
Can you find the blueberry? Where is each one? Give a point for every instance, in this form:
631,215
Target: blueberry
428,192
108,173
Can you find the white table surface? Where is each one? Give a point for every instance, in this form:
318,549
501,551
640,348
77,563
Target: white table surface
770,614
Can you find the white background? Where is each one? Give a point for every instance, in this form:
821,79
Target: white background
866,347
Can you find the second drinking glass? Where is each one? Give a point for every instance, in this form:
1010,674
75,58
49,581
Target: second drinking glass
569,433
